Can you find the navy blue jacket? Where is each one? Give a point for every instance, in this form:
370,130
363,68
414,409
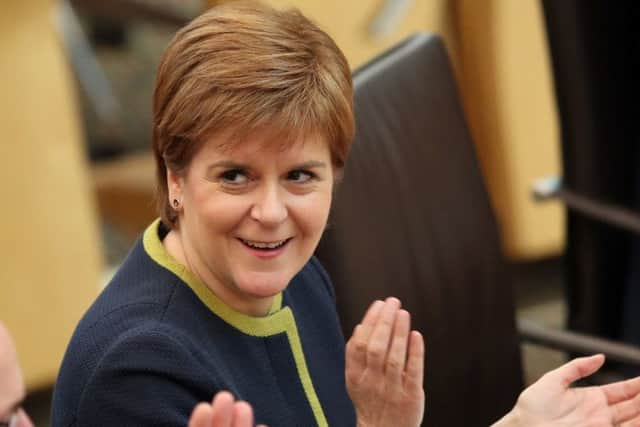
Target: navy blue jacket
157,341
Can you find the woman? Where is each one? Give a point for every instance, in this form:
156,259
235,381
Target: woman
252,123
253,120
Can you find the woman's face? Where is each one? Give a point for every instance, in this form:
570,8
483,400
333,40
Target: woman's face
251,217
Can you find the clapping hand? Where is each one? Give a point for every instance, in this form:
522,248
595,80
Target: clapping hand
384,368
224,411
550,402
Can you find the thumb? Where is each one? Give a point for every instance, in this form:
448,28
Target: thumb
577,368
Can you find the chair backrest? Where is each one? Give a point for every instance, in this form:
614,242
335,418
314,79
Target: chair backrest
412,219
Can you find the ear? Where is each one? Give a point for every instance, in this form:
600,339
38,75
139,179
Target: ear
175,183
338,175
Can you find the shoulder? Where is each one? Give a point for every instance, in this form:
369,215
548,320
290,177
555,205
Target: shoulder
139,292
130,339
113,382
134,324
155,349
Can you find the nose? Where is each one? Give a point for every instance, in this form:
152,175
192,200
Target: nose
270,209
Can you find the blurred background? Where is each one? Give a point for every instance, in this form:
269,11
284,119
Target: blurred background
542,85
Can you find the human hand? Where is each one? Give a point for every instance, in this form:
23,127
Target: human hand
550,402
384,368
224,411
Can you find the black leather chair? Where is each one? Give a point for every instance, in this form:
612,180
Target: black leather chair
412,219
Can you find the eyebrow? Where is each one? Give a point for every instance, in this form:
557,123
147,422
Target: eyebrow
230,164
227,164
311,164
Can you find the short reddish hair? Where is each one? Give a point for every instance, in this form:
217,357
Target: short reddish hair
243,67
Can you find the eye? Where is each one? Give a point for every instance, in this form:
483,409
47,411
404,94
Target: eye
234,177
300,176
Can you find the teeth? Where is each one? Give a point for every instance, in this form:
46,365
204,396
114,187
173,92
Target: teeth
263,245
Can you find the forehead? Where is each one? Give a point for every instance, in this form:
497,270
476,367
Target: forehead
262,145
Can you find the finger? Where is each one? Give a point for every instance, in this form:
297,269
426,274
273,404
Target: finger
623,390
371,316
356,353
574,370
357,345
380,339
414,373
625,411
201,416
222,409
396,360
242,415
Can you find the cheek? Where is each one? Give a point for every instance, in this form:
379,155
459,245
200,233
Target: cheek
313,213
220,212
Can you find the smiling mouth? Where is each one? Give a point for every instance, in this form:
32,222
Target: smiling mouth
265,246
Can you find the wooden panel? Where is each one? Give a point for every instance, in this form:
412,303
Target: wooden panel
508,94
125,191
50,240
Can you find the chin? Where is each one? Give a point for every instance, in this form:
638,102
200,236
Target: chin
263,284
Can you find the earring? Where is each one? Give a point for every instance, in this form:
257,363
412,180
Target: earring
176,203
